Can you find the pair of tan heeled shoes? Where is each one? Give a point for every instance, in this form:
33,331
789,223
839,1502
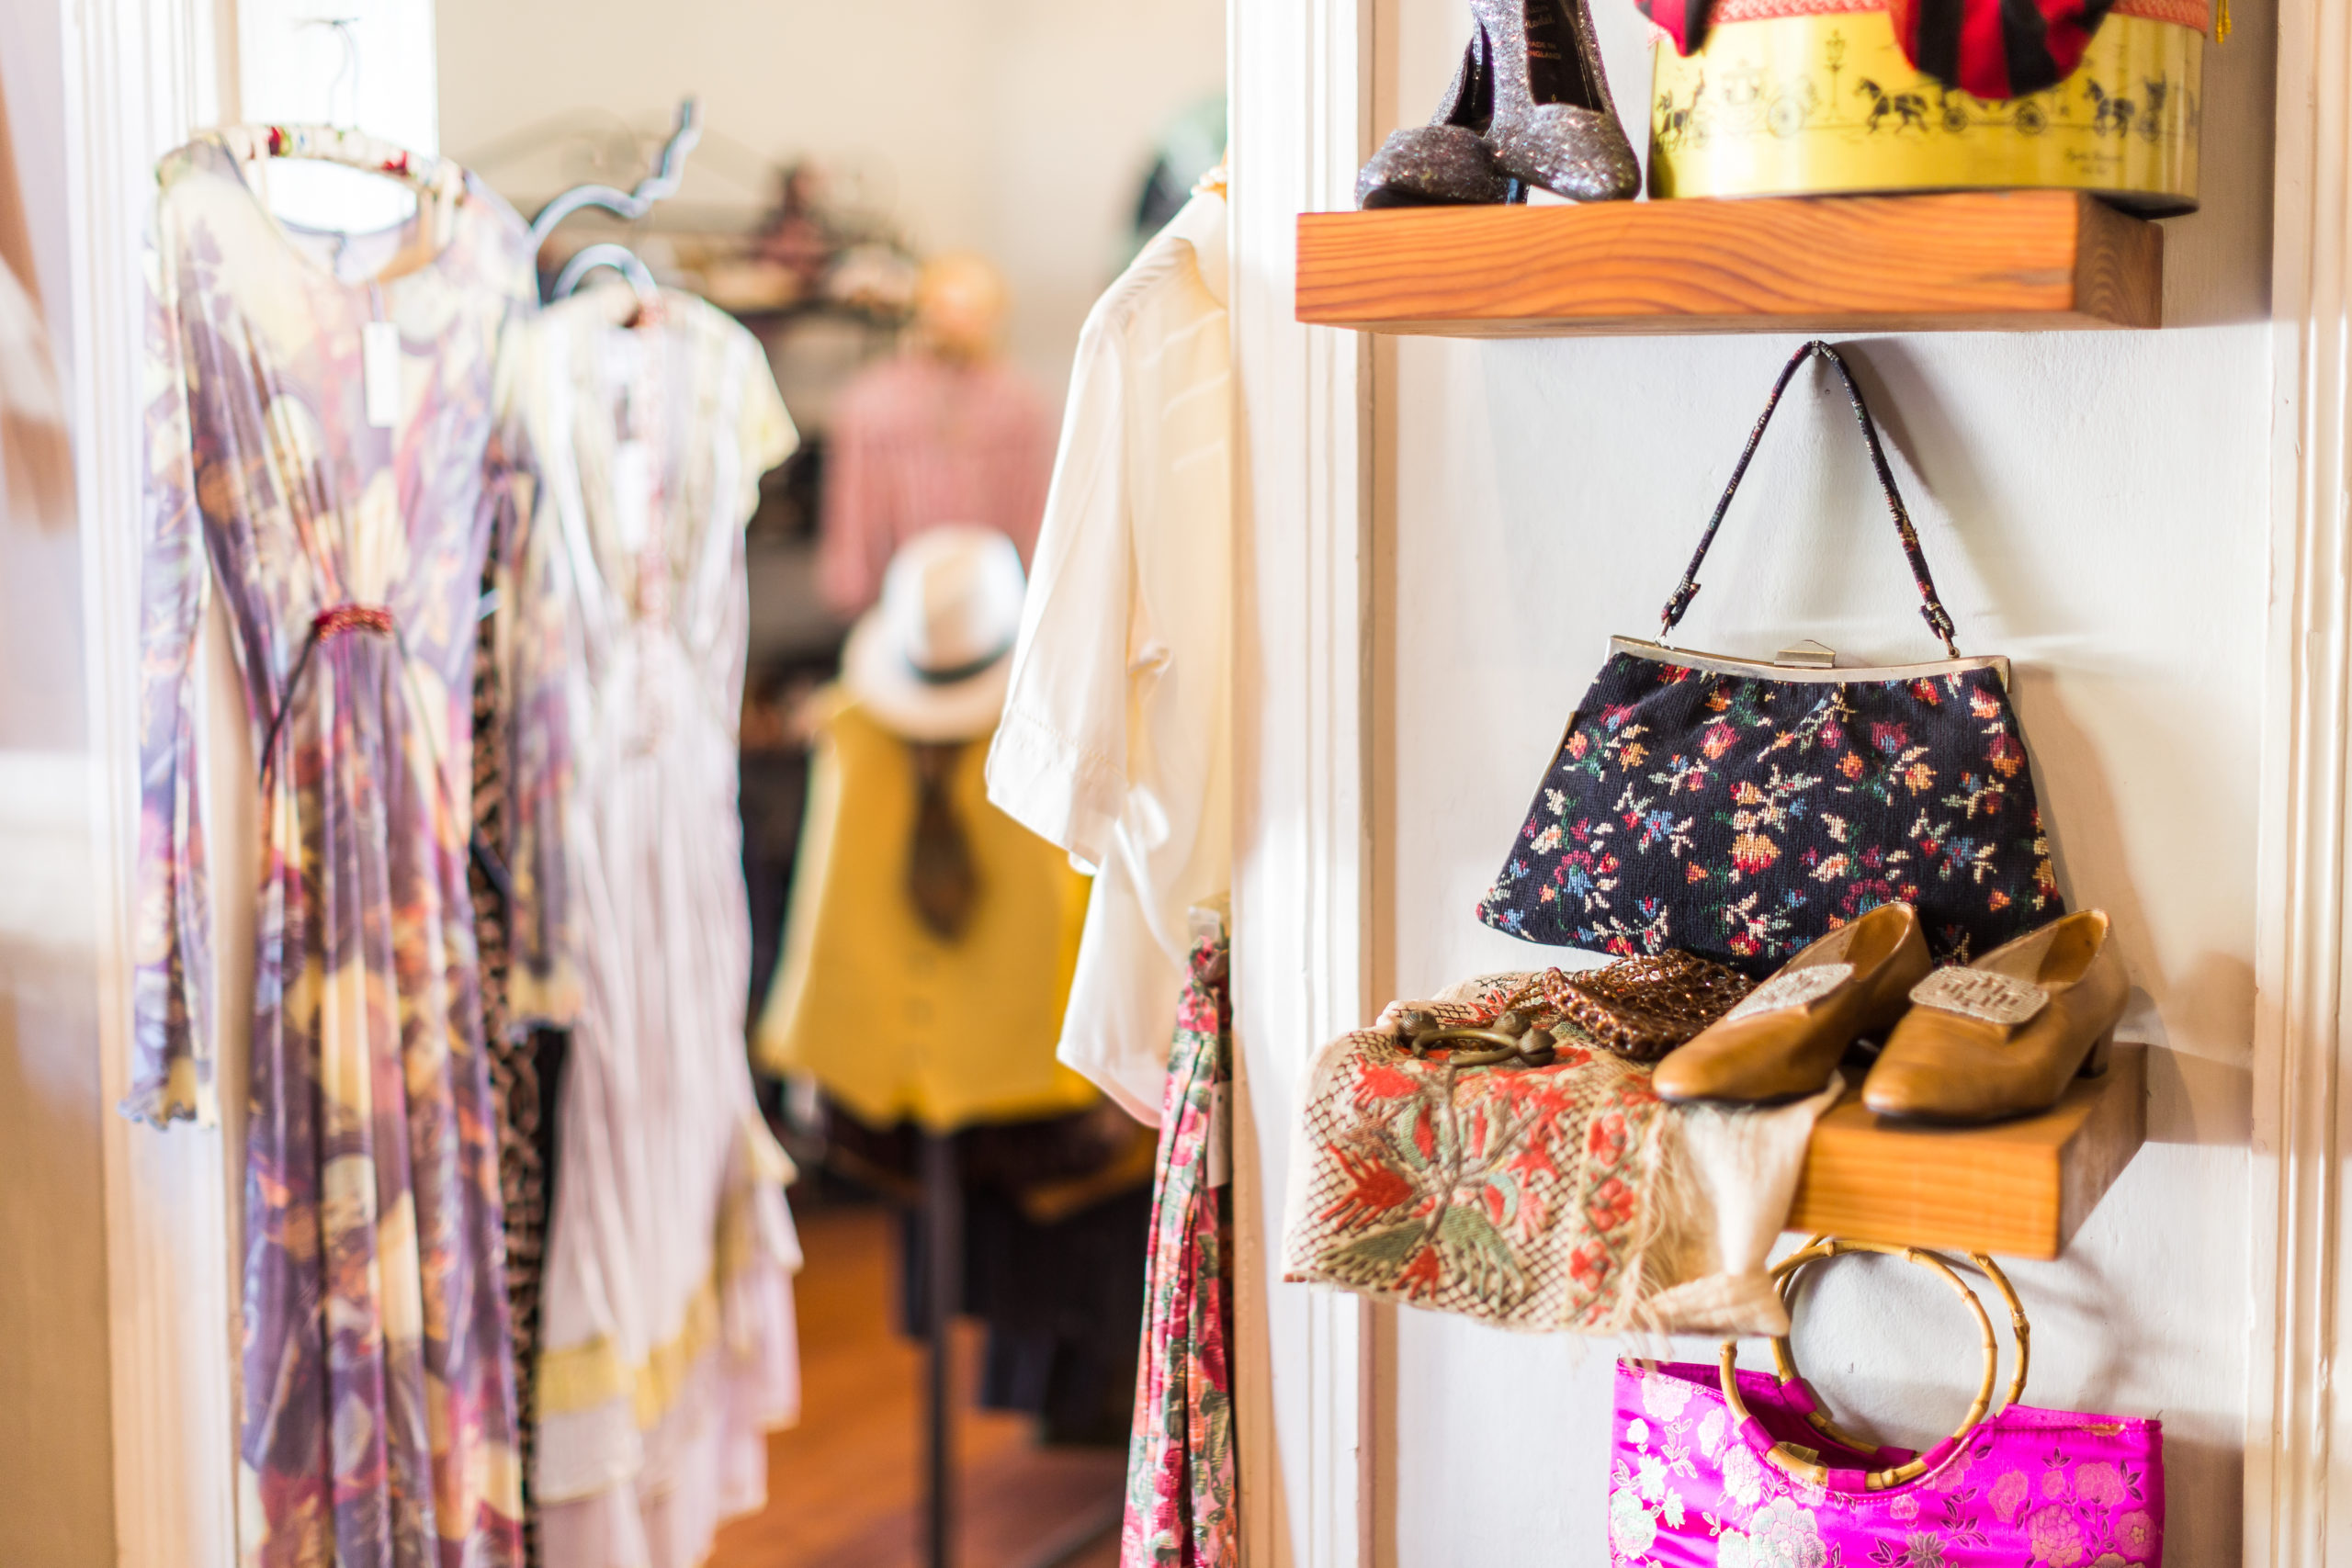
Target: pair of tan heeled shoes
1981,1041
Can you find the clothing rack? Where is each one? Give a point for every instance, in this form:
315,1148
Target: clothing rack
942,1237
943,1264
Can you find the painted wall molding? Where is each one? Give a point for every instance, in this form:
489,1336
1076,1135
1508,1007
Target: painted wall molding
1300,81
140,75
2298,1438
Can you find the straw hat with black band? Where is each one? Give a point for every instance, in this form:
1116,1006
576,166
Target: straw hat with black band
930,661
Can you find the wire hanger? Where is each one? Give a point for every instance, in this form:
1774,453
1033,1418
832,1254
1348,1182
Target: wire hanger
439,183
621,259
334,141
350,71
669,171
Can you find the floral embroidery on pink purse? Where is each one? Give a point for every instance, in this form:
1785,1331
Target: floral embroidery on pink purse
1715,1466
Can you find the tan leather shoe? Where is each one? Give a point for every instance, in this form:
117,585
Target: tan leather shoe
1784,1039
2002,1036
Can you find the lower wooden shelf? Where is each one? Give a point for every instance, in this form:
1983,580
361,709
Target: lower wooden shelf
2019,1189
2005,260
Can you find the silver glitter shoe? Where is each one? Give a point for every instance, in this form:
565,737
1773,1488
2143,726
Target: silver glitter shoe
1446,162
1554,123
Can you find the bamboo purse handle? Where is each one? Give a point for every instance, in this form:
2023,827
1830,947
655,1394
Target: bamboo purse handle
1808,1469
1784,1363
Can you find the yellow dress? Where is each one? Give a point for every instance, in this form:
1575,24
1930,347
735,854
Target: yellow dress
892,1020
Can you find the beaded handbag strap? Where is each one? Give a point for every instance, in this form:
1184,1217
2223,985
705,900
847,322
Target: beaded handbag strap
1932,610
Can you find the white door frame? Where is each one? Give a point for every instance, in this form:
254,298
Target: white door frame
140,75
2299,1435
1300,79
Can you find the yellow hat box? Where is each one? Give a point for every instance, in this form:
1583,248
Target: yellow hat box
1824,103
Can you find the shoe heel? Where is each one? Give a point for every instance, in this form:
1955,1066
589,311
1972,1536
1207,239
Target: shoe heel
2102,1052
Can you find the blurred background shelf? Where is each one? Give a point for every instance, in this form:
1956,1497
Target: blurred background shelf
2032,260
2017,1190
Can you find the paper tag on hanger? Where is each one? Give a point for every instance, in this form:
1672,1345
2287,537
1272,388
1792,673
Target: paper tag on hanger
1220,1138
379,368
632,494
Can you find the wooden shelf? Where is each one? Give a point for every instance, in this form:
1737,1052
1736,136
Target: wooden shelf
1976,260
2020,1189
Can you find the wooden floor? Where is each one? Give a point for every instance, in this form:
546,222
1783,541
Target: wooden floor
844,1485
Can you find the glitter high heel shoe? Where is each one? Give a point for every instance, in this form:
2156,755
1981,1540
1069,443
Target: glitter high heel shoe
1553,122
1446,162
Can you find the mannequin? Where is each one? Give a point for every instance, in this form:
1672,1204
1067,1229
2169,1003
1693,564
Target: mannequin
927,962
946,432
960,305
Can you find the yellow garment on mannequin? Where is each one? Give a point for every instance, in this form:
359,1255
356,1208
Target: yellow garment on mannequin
891,1020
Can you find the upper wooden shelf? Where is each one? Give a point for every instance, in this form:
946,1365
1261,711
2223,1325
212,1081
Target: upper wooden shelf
2019,1189
2000,260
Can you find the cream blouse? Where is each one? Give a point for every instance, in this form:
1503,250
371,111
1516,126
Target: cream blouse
1116,737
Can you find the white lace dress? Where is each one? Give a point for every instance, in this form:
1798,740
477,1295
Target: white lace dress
668,1350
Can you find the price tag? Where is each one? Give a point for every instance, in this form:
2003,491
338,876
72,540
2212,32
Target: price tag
632,494
380,366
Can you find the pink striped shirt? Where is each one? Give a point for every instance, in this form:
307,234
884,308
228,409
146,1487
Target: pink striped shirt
917,442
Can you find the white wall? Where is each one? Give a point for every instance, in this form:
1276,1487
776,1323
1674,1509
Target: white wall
2095,506
1017,128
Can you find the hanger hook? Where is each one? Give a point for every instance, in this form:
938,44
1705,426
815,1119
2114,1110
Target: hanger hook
668,172
343,27
621,259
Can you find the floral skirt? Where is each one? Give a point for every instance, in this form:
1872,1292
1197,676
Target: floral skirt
1181,1475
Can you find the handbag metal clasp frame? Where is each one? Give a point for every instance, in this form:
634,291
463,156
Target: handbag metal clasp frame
1806,661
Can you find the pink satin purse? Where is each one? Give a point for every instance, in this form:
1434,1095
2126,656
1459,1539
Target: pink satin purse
1717,1468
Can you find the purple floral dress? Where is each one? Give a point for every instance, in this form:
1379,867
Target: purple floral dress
1180,1476
378,1423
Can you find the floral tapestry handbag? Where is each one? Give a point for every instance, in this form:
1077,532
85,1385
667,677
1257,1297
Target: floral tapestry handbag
1713,1465
1739,809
